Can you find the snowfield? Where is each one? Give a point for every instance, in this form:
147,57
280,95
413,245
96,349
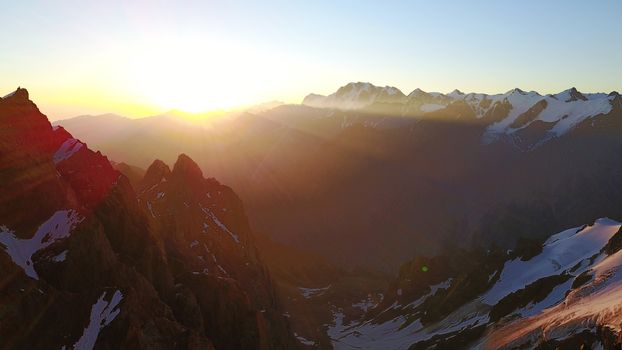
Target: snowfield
560,252
562,313
596,304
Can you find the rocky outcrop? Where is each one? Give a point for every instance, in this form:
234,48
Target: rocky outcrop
86,264
565,295
226,288
133,173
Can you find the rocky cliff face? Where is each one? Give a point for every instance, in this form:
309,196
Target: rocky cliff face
86,262
212,251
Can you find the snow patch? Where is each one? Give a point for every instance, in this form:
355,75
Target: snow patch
433,289
395,334
150,209
57,227
102,313
67,149
365,304
303,340
219,224
60,257
308,293
431,107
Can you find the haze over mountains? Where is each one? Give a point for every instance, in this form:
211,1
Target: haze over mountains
514,113
366,219
231,175
89,260
315,175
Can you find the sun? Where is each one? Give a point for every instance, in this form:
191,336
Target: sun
184,79
198,76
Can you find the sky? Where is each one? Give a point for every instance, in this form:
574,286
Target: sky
140,58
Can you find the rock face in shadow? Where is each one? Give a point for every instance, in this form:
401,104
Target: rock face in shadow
87,262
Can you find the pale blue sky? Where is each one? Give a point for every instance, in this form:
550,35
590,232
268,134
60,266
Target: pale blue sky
141,57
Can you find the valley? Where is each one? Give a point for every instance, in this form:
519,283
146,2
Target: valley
314,255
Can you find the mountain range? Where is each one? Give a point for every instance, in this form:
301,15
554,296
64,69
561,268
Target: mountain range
316,175
515,115
89,260
366,219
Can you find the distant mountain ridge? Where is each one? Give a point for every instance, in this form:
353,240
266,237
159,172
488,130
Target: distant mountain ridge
355,96
366,187
460,164
510,114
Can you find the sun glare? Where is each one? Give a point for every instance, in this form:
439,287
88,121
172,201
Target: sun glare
195,76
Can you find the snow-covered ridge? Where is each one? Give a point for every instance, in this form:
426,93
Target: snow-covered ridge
355,96
593,305
563,110
505,113
431,107
303,340
560,252
567,309
59,226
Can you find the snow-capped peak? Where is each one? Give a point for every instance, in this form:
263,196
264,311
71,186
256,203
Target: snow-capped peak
570,95
516,91
507,113
456,94
355,96
417,93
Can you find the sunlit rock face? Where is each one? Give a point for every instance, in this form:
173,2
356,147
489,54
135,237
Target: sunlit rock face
86,262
